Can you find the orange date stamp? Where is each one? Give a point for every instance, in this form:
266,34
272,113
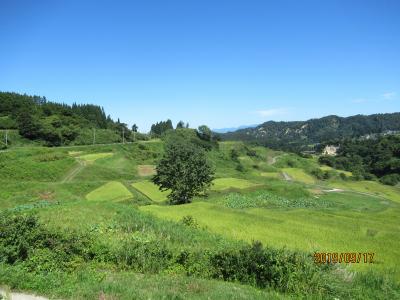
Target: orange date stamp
343,257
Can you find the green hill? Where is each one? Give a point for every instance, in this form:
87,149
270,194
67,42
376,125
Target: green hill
100,230
54,124
303,135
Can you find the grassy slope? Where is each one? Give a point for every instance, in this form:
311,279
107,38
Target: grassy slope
150,190
111,191
356,223
221,184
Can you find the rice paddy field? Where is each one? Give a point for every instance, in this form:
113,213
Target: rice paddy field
106,191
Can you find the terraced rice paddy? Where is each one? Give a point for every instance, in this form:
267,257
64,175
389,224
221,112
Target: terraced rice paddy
221,184
111,191
95,156
299,175
256,203
275,175
151,191
353,224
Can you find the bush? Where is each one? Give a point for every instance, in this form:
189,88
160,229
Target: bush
189,221
234,154
284,270
24,240
318,173
250,152
391,179
239,167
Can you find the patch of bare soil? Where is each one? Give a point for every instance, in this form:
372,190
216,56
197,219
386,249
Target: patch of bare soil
146,170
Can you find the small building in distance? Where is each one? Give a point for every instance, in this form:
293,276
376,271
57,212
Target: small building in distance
330,150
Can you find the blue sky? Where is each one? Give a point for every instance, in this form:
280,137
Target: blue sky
222,63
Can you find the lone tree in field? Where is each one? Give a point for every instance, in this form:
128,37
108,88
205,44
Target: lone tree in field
184,170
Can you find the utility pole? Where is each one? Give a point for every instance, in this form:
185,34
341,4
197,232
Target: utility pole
94,136
123,135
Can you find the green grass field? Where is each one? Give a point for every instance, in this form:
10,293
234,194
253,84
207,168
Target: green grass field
275,175
150,190
95,156
369,187
221,184
109,200
349,227
327,168
299,175
111,191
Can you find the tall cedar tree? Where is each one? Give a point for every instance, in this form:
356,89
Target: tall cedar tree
184,170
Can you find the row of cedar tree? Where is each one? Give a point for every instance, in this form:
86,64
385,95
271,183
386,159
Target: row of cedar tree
57,124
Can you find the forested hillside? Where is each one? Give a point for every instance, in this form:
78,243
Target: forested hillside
369,158
56,124
303,135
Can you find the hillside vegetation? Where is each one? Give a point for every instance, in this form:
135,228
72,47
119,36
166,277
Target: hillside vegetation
87,223
368,159
54,124
303,135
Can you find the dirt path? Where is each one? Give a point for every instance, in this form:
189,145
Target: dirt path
19,296
272,160
286,176
71,174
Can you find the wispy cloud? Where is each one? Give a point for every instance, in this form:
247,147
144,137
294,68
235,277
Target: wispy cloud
389,95
271,112
376,99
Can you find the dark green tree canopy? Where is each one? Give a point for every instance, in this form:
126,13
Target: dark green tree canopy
161,127
180,124
36,118
184,170
378,156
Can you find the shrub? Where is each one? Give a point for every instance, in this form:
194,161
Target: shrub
284,270
318,173
239,167
234,154
391,179
189,221
250,152
24,240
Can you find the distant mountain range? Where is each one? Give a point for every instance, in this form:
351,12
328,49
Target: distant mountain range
305,134
231,129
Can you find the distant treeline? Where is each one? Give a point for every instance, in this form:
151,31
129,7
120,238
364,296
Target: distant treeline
369,158
299,136
56,124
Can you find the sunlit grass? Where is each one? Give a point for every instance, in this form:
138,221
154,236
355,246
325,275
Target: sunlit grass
370,187
274,175
95,156
331,230
220,184
111,191
150,190
299,175
327,168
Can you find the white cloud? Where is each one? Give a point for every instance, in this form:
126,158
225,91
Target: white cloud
389,95
271,112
